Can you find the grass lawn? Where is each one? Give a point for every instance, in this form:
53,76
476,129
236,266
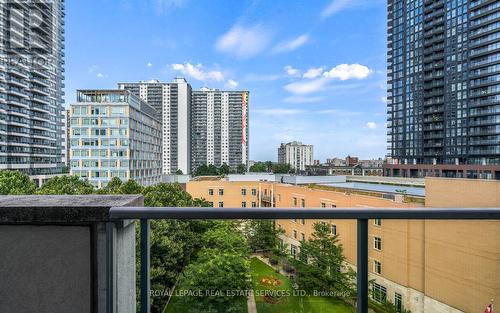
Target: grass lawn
288,303
174,306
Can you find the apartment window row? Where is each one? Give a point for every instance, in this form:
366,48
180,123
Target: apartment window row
377,243
221,192
379,294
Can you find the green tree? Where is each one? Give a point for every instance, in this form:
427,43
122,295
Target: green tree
242,168
15,183
226,237
280,168
320,265
258,167
216,272
66,185
113,187
206,170
179,172
131,187
172,241
262,235
224,169
167,195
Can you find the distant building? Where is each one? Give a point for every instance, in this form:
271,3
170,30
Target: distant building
219,128
31,88
65,137
443,103
172,102
297,154
114,134
336,162
348,166
330,169
316,162
351,161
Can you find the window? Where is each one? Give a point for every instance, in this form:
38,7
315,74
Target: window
323,205
377,267
295,234
379,293
294,202
377,243
221,192
293,251
398,302
334,229
302,236
377,222
243,204
254,192
243,192
211,204
334,205
303,203
221,204
254,204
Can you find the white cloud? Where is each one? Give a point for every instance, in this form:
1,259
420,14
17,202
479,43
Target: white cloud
305,87
253,77
244,41
348,71
339,112
164,5
291,45
100,75
371,125
290,71
150,64
302,99
231,84
335,6
197,72
313,72
91,69
384,100
278,112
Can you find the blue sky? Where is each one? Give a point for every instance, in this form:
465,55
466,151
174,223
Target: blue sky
315,69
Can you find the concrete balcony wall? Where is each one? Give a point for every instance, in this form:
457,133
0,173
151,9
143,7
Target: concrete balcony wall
63,254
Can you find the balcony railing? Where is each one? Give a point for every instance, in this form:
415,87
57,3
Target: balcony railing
362,215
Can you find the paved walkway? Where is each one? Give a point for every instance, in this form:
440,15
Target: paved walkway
252,307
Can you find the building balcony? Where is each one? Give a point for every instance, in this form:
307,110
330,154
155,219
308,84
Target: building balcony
84,247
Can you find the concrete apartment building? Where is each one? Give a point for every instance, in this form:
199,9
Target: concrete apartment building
31,87
443,104
297,154
65,137
219,127
423,266
113,133
172,102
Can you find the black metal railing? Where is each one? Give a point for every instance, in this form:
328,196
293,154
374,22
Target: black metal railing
362,215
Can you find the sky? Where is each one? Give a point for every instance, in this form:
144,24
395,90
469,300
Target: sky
315,69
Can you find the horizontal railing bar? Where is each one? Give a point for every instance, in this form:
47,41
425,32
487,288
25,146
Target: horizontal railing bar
117,213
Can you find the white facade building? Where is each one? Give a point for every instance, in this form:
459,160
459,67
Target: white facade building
297,154
172,102
219,128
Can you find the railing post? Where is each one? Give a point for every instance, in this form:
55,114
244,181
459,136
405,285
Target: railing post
362,265
145,278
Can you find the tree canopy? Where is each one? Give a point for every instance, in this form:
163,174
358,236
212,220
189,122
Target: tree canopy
66,185
15,183
320,264
268,166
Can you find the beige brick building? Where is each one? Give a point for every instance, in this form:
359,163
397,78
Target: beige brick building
425,266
